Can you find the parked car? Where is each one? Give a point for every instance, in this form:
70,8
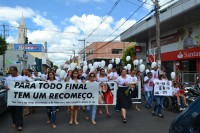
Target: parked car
187,121
3,96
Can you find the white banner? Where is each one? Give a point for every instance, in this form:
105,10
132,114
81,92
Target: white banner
162,88
39,93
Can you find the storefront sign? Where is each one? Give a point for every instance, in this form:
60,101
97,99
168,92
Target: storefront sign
173,38
190,53
138,49
29,47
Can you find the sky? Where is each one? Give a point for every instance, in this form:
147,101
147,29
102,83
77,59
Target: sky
61,23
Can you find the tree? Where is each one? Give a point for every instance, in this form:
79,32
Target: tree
55,67
130,51
3,46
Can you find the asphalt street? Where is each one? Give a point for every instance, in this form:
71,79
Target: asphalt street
138,122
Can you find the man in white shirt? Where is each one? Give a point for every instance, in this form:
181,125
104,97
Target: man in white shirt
155,73
16,111
148,87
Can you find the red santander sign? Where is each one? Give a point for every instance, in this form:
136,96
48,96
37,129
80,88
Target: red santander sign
138,49
189,53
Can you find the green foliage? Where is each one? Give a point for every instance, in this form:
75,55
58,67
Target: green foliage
197,39
130,51
55,67
3,46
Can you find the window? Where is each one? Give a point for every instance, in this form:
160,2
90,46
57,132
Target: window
116,51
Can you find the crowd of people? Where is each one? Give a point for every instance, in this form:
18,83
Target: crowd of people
127,82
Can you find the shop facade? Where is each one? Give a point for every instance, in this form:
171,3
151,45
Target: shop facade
179,41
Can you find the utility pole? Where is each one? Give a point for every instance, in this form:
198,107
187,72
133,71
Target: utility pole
74,55
83,49
158,32
4,37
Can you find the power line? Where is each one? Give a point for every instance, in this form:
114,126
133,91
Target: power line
113,7
131,2
133,24
146,3
122,24
75,33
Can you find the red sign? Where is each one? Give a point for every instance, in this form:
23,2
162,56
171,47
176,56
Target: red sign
138,49
190,53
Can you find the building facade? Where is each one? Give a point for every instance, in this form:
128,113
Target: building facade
99,51
24,55
179,42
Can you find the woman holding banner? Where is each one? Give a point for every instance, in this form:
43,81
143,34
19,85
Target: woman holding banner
51,110
102,77
123,101
74,109
28,78
94,107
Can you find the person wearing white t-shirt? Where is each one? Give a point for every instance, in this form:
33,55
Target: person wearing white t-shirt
113,75
158,99
123,101
28,78
148,87
134,87
51,110
133,76
74,109
91,109
44,75
16,111
155,73
102,77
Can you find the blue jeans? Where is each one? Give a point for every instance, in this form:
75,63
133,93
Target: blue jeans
93,114
51,112
182,102
148,98
158,105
